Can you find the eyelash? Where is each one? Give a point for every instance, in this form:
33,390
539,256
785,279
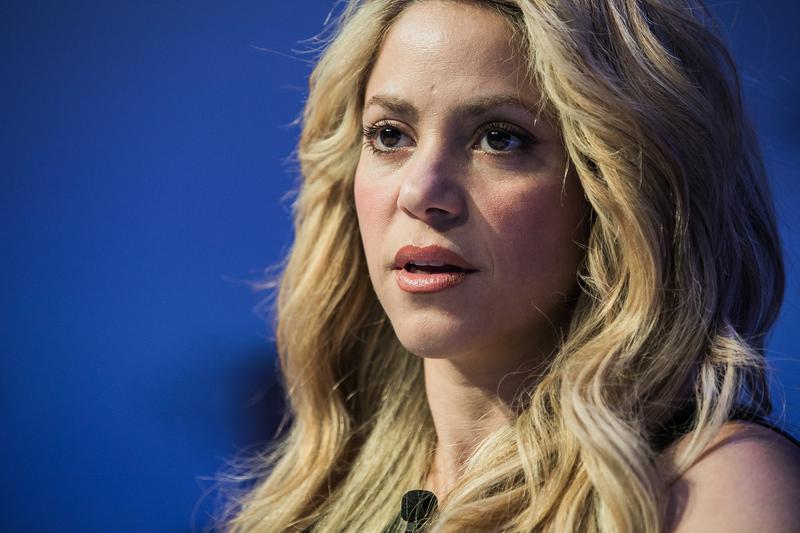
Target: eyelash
370,132
526,140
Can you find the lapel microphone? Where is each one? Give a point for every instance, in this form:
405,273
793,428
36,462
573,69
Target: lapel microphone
417,508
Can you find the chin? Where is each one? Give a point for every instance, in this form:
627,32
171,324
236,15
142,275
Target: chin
435,339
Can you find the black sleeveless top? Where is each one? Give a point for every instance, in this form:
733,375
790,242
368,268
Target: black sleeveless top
681,424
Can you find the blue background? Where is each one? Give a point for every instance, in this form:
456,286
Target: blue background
145,153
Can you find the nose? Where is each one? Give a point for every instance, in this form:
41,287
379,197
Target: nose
432,189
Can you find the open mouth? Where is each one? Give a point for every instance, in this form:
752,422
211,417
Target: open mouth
422,277
432,268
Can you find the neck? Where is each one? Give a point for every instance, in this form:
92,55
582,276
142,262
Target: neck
470,400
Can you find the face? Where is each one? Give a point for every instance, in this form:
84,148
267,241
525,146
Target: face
470,229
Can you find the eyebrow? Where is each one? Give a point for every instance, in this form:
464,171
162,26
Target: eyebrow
476,106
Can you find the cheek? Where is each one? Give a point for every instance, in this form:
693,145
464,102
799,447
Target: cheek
535,233
373,209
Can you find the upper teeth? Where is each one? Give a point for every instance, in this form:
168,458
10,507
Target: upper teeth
427,263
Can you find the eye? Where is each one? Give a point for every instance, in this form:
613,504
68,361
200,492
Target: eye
501,138
385,138
389,137
499,141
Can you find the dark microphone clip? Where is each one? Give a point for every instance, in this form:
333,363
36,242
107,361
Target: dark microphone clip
417,509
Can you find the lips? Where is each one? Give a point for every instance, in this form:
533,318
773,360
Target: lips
435,257
429,268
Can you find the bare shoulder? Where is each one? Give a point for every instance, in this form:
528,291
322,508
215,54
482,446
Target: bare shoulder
748,479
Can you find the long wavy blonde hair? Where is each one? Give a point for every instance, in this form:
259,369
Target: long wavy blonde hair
681,281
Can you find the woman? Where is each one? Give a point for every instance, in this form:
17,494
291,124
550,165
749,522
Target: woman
535,262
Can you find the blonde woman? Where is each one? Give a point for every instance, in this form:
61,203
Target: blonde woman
534,266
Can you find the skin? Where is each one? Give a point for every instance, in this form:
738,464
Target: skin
433,177
746,480
512,213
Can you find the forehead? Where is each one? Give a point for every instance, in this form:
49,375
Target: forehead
448,46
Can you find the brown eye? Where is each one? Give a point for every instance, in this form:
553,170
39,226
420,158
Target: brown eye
384,139
499,141
389,137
